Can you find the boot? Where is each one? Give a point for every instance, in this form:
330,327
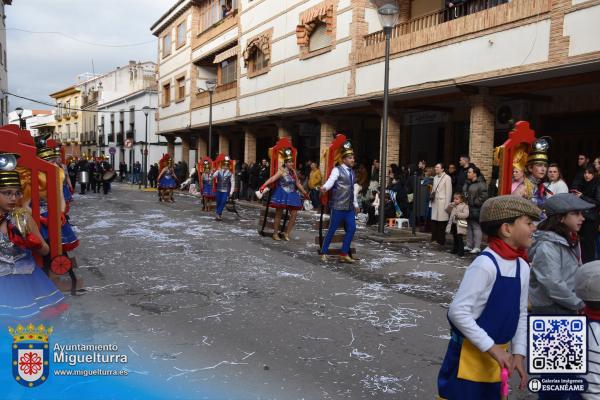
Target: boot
276,236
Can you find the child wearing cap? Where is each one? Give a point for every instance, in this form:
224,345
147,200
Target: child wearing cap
587,287
489,311
556,256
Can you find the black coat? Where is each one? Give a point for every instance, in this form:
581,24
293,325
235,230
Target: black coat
590,192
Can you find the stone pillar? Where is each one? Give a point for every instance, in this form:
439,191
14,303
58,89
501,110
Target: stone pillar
185,149
327,132
201,147
481,137
171,146
393,138
223,144
283,130
249,146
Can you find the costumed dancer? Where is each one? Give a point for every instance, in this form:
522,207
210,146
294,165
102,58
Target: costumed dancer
489,311
69,239
285,196
344,204
224,184
537,168
206,184
166,179
25,291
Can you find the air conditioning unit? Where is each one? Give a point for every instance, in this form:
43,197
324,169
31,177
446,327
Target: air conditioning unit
509,112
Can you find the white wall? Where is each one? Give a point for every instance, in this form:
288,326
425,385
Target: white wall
583,30
511,48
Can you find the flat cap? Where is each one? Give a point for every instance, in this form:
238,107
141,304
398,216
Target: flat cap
587,281
507,207
565,202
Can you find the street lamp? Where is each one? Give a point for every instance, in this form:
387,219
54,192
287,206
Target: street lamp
146,110
388,11
19,112
211,85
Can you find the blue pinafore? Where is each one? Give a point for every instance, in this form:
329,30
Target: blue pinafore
467,373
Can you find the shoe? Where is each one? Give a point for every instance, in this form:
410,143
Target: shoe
276,236
286,237
323,257
218,218
475,251
346,260
467,248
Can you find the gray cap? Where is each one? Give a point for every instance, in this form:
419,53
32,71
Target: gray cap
587,281
563,203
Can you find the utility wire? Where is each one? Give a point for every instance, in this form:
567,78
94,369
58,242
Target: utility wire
80,40
76,109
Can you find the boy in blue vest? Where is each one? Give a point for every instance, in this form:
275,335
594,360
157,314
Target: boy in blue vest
344,205
489,311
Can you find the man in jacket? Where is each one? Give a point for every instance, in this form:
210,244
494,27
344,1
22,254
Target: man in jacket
582,162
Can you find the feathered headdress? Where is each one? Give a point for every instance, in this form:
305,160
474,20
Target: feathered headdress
165,161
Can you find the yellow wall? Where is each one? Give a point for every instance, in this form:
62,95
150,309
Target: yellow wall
69,117
422,7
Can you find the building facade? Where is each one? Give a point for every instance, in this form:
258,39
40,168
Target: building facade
68,116
309,69
38,122
3,65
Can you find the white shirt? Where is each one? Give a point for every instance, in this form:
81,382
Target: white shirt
335,174
472,296
558,187
593,375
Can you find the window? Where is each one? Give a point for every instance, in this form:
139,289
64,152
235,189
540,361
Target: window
166,45
258,62
319,39
68,107
180,88
181,33
228,71
58,109
166,94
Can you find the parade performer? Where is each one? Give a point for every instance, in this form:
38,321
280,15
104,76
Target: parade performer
285,196
537,168
69,239
25,291
344,204
224,183
489,311
166,179
206,183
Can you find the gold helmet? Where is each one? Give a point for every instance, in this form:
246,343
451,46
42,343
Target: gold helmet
539,151
346,149
9,176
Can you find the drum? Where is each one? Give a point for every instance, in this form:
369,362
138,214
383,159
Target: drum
109,176
83,177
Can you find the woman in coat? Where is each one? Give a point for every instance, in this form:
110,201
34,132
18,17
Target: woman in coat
441,196
590,192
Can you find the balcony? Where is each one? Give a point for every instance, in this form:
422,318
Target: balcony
130,133
73,113
57,117
222,93
111,137
213,22
120,138
438,26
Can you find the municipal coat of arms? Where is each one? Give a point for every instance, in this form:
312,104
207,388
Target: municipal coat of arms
30,360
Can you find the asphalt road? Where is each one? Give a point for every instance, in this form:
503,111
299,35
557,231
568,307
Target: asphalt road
217,309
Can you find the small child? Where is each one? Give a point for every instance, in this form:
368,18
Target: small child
457,224
489,311
587,288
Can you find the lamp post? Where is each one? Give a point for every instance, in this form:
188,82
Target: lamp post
19,112
388,11
146,110
210,87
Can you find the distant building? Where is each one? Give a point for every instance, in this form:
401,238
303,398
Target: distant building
38,122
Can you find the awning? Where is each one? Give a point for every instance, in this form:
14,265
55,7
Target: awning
232,52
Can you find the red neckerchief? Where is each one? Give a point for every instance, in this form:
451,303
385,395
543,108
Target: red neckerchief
541,189
505,251
593,314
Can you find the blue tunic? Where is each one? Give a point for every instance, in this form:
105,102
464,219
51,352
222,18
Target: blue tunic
167,180
207,185
25,290
286,193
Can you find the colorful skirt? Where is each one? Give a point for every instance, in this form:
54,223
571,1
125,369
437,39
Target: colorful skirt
27,295
67,194
68,237
207,192
167,182
283,199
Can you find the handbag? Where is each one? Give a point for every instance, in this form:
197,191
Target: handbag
462,223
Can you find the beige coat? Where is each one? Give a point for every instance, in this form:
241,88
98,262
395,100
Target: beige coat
442,185
461,212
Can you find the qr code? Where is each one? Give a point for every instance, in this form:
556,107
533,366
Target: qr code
557,344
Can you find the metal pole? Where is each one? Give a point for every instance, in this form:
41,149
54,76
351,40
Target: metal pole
146,156
383,161
210,125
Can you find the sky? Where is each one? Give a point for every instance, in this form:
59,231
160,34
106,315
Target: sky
44,63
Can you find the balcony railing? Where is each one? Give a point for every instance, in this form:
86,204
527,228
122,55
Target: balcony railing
129,134
119,138
213,13
111,137
57,117
435,18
